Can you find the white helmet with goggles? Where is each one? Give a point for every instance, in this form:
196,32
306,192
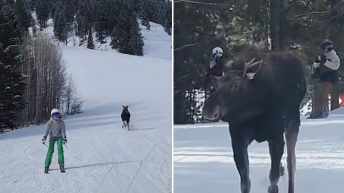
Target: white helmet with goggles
217,52
55,112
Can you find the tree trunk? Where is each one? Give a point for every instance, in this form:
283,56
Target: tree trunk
333,36
334,97
316,109
275,12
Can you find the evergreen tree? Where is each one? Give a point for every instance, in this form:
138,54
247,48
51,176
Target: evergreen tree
81,30
167,26
90,44
70,7
168,18
120,34
32,4
60,26
106,18
145,22
135,42
23,15
144,15
42,12
85,17
11,81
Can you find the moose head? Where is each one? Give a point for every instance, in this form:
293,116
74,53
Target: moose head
232,91
125,108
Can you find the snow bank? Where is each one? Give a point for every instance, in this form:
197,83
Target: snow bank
203,158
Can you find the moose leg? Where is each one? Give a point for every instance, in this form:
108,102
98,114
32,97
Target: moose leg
291,134
241,161
276,151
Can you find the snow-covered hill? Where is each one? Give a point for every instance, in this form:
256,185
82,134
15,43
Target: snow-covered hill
101,156
203,159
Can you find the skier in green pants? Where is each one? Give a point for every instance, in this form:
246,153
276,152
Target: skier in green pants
57,133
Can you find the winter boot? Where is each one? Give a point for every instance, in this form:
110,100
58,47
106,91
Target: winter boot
46,169
62,169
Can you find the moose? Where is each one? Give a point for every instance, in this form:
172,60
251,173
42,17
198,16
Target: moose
125,115
259,96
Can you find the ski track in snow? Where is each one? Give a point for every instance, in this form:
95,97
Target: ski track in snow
203,158
101,156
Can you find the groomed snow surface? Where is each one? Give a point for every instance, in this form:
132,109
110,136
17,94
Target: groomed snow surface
101,156
203,159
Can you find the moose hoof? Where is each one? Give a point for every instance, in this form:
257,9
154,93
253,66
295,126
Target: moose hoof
281,171
273,189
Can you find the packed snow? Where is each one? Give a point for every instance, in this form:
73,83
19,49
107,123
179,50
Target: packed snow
154,41
100,155
203,159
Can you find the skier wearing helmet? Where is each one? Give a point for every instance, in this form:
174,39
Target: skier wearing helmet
216,66
57,133
325,68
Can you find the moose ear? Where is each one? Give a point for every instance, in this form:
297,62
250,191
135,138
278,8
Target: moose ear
123,106
252,69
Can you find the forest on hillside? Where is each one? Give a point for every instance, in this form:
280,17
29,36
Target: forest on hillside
33,79
279,25
117,19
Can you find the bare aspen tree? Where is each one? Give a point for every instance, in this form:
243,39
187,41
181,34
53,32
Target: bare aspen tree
72,103
47,85
45,72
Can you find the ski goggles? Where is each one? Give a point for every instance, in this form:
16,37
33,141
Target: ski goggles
56,115
218,55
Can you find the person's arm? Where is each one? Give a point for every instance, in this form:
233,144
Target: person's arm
317,61
47,131
63,131
212,64
333,62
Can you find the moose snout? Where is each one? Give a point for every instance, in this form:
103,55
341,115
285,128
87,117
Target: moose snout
211,114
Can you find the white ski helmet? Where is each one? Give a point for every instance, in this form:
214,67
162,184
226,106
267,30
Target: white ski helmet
55,111
217,51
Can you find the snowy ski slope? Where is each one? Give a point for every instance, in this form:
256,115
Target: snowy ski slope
203,159
102,157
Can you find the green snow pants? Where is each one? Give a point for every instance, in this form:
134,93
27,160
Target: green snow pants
51,151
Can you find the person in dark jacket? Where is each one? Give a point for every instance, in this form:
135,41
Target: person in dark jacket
57,134
325,68
216,67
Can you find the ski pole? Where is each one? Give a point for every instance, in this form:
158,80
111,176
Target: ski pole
66,145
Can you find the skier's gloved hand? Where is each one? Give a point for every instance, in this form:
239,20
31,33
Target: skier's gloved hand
317,59
43,140
322,59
